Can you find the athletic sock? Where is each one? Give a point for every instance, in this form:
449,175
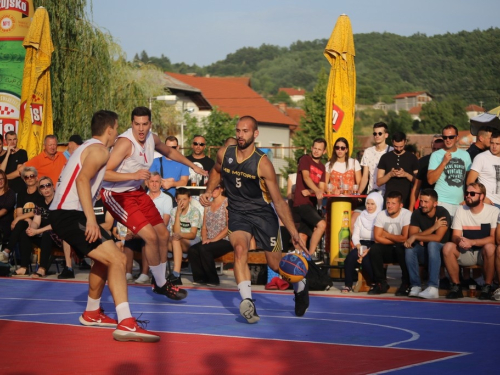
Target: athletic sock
245,288
93,304
299,287
159,274
176,274
123,311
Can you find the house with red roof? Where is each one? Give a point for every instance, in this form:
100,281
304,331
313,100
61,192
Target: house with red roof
473,110
409,100
295,94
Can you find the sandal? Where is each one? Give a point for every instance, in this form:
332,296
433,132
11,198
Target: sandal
37,275
346,289
25,274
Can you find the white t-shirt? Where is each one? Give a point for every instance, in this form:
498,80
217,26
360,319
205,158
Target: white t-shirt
340,167
487,166
475,226
393,225
370,159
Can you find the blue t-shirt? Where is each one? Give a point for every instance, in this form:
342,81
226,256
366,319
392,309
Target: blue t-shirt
171,169
450,185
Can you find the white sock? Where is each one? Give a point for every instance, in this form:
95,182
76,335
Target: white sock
245,288
123,311
299,287
93,304
159,274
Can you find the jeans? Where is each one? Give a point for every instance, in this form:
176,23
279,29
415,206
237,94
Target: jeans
419,255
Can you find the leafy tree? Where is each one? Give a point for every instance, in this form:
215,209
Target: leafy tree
282,97
436,115
398,122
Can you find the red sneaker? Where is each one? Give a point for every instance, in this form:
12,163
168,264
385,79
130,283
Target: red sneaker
129,330
97,318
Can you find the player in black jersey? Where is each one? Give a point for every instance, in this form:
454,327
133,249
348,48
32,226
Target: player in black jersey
254,199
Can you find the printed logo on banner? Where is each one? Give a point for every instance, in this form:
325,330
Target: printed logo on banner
9,113
36,110
16,5
337,117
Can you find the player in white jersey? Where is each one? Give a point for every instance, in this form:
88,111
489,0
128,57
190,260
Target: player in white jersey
126,200
72,218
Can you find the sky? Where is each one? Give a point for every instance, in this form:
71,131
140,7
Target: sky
205,31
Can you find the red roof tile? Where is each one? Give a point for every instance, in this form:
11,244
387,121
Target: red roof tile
292,91
234,96
474,108
415,110
410,94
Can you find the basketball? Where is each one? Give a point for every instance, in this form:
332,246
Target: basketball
293,267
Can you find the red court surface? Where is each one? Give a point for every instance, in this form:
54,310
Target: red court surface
64,349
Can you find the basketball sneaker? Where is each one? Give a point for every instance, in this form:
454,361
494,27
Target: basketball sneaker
169,290
129,330
302,301
248,311
97,318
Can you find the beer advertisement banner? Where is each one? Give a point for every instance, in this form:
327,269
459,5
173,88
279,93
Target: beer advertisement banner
15,20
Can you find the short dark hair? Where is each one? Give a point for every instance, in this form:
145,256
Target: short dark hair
182,191
101,120
50,136
495,134
380,125
450,126
10,132
395,194
252,119
430,193
485,129
140,111
399,137
320,140
172,138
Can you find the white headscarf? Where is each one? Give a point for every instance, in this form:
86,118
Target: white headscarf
367,219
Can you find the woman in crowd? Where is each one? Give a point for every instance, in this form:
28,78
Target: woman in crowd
362,235
214,240
341,169
7,204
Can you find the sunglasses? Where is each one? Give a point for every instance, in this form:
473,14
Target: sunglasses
199,144
379,134
445,137
45,186
340,148
471,193
26,178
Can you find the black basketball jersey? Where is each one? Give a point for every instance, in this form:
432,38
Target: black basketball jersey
245,190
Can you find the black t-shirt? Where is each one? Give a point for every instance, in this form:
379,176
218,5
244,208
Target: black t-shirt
42,209
28,202
423,168
206,163
473,151
409,163
8,202
421,220
20,157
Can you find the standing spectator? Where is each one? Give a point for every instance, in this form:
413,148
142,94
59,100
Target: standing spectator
341,169
172,173
482,142
397,169
421,182
74,142
371,157
13,158
49,162
472,240
429,231
486,169
199,158
214,240
7,204
311,175
448,169
390,232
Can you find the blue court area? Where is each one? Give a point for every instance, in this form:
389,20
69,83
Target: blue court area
470,330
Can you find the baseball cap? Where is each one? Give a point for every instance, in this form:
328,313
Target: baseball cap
76,138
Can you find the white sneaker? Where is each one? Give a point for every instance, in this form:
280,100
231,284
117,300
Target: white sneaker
415,290
143,279
130,278
430,293
496,295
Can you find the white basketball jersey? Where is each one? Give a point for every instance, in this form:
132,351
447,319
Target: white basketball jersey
141,158
66,196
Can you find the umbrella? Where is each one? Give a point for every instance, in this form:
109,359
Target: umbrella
341,92
490,118
36,101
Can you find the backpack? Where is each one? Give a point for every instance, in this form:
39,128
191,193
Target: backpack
317,278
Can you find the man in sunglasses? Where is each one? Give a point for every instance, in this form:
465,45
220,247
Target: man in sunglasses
199,158
172,173
473,240
448,170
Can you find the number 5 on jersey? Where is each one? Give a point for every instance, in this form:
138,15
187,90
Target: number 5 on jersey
238,182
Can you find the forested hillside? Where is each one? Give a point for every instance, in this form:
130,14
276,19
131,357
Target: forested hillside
464,65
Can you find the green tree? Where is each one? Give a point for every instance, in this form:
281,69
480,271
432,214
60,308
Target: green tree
436,115
398,122
282,97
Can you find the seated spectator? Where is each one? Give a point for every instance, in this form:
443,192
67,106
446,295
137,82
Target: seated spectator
341,169
214,240
7,204
429,231
27,200
472,240
185,225
362,235
390,232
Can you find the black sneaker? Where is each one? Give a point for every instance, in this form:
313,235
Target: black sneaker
444,283
66,273
248,311
83,265
302,301
169,290
455,292
378,288
486,292
174,280
403,290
